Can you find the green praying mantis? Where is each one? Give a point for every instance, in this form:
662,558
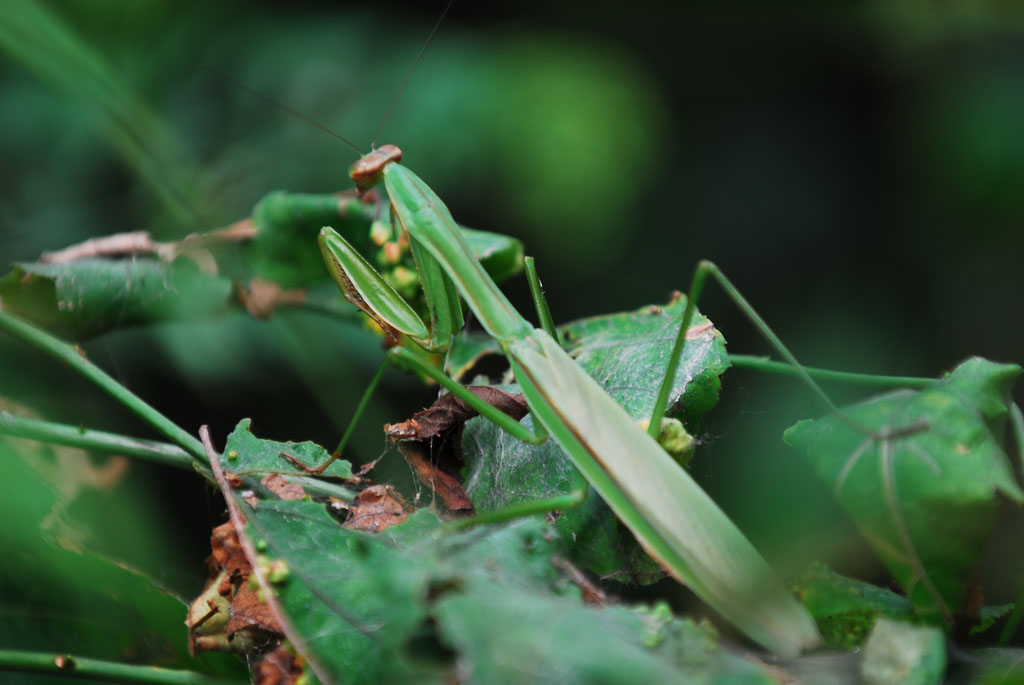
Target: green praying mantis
675,521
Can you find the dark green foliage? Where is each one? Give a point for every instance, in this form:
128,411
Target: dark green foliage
420,602
924,489
80,568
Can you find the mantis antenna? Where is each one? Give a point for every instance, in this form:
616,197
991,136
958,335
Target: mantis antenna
415,63
286,108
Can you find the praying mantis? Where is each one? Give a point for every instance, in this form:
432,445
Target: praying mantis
675,521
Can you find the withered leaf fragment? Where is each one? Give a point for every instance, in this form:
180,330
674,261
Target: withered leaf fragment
375,509
431,441
229,615
279,667
448,488
450,413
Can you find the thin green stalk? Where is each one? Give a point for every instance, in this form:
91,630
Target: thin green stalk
146,450
100,441
95,669
75,358
747,361
700,276
360,408
521,510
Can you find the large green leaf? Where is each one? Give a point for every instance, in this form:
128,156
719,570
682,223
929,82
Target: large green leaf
422,602
285,250
627,354
62,590
91,296
922,488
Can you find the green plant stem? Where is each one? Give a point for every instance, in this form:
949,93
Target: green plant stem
75,358
95,669
146,450
747,361
100,441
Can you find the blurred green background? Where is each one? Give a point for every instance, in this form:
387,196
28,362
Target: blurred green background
857,168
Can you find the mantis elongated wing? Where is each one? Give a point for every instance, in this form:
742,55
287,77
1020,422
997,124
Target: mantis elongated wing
671,516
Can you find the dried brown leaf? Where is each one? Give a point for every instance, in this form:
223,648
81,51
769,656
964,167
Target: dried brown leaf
450,413
376,508
447,487
279,667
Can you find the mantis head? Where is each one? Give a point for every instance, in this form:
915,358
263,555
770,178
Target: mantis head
368,169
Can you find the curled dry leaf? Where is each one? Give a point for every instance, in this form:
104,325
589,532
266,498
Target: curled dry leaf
375,509
229,615
449,413
430,441
448,488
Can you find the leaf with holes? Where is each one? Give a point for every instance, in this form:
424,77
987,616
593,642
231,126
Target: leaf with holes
416,603
923,488
627,353
422,602
248,454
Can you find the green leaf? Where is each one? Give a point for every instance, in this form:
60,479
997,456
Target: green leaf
91,296
287,224
923,488
845,609
248,455
59,592
559,640
900,652
368,606
627,353
420,602
285,249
